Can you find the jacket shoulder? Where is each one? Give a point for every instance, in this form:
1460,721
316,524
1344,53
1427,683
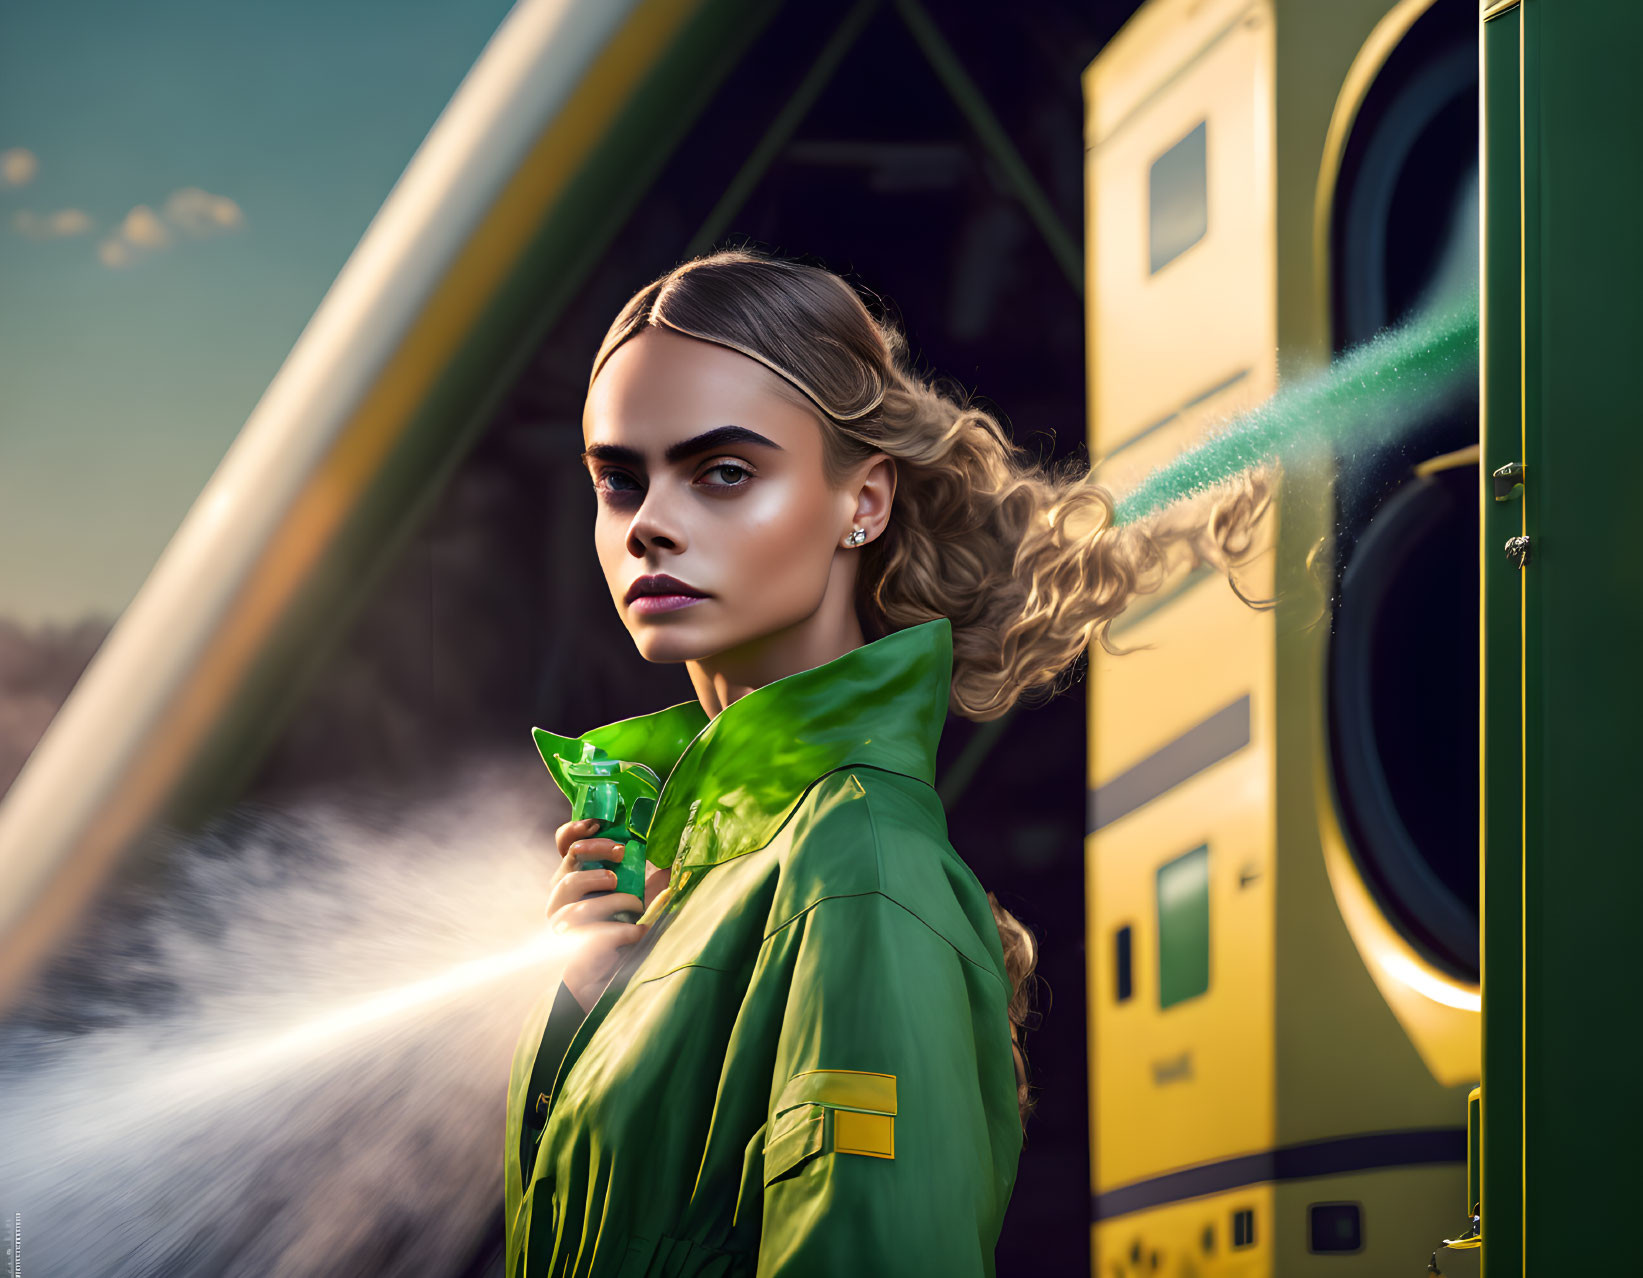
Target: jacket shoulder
863,829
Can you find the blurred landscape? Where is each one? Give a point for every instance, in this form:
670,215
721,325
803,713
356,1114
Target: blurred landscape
38,667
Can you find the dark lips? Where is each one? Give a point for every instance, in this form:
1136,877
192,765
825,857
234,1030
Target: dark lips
661,584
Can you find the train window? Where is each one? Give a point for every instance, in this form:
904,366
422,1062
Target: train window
1243,1227
1335,1227
1178,198
1183,927
1121,962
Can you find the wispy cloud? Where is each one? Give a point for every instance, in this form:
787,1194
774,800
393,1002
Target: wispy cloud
51,226
193,212
18,166
190,212
140,232
200,213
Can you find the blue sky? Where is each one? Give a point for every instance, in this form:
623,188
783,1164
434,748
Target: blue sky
179,185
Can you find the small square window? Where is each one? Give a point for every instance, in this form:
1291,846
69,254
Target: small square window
1183,927
1243,1228
1335,1227
1178,198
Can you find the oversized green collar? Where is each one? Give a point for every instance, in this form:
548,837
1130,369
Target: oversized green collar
731,781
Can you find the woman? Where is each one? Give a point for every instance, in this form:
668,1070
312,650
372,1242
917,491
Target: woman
804,1057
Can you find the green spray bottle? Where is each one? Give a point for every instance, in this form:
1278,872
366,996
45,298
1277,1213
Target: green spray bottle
622,797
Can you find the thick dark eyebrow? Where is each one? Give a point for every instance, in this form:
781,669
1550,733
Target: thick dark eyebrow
718,437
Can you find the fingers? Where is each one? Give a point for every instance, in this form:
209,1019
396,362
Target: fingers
573,887
571,830
566,834
579,851
584,850
596,910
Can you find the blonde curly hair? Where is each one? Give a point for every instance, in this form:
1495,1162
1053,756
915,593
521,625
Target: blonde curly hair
1025,561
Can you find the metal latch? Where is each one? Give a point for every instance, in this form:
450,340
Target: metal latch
1517,550
1508,481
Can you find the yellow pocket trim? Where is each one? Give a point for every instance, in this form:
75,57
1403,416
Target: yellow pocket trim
849,1089
855,1133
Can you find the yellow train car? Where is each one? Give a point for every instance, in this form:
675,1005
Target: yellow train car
1282,913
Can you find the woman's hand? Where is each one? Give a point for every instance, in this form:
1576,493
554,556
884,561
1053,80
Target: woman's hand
600,939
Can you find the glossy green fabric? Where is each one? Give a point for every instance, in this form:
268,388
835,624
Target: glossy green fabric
727,1108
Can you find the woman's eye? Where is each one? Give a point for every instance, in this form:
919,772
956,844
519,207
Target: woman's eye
614,483
730,475
617,486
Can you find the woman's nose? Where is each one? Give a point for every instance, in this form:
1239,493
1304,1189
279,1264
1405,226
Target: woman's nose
655,525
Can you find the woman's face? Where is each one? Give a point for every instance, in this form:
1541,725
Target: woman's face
706,472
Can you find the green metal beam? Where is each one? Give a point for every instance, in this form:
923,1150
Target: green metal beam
970,100
781,128
1063,246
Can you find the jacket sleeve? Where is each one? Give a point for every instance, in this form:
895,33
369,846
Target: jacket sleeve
886,1149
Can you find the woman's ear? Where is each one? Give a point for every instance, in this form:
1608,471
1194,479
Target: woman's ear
875,494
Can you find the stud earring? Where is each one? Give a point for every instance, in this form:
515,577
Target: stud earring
856,537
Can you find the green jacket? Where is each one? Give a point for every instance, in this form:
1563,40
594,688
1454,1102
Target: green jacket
804,1068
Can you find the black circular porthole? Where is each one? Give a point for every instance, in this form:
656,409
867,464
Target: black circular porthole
1403,711
1404,227
1403,653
